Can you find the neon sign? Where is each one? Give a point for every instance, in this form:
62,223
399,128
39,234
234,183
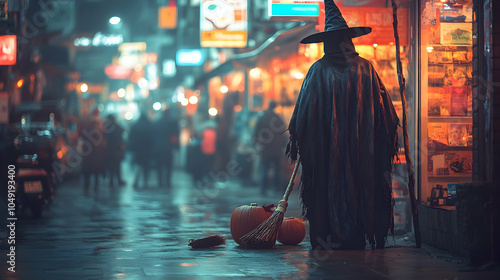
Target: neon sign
99,39
8,49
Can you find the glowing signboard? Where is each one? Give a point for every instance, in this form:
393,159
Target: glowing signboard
189,57
8,49
118,72
167,17
99,39
293,9
223,23
380,20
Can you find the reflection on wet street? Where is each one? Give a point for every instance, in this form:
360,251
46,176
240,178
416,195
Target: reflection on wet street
129,233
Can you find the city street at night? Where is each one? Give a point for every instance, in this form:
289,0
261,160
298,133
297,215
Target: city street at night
259,139
127,233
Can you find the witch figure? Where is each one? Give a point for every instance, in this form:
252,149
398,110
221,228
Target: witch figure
344,128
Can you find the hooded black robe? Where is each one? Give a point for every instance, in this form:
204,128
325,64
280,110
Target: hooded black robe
344,127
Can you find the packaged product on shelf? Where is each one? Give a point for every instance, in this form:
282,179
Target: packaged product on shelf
437,135
459,101
439,104
457,135
469,135
459,77
459,162
454,13
456,34
462,57
469,101
439,195
440,57
436,75
452,194
437,164
449,72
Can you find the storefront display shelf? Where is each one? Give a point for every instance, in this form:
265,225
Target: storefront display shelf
443,149
447,208
450,119
448,177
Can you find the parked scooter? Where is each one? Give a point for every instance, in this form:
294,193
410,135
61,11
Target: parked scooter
34,183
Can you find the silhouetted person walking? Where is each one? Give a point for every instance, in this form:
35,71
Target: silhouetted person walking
92,143
140,144
166,142
115,151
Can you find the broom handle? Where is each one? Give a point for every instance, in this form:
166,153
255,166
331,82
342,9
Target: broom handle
289,188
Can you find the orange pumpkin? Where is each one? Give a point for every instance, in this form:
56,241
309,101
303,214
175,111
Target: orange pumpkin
292,231
245,218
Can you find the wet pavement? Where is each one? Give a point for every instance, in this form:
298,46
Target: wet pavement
127,233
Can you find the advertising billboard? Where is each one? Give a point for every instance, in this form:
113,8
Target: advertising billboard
8,49
293,9
223,23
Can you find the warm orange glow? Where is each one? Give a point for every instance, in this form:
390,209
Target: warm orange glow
193,99
212,112
255,73
84,87
298,75
59,155
20,83
188,264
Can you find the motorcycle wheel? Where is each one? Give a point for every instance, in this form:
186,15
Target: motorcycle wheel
36,210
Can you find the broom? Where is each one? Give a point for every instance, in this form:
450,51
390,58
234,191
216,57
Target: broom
409,164
264,236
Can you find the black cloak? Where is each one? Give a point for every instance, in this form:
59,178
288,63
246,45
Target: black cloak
344,127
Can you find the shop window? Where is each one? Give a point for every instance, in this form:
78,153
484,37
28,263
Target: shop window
446,99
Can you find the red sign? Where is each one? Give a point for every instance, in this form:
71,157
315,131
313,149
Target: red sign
8,49
380,20
167,17
118,72
364,3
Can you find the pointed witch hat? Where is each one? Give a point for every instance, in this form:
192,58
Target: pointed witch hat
334,25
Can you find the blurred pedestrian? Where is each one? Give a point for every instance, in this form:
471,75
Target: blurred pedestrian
270,139
140,144
225,125
201,150
166,141
344,128
115,151
92,146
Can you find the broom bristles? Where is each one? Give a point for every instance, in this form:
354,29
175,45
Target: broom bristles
264,235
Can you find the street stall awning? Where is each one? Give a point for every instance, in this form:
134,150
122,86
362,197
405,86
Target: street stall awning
225,68
286,43
281,44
